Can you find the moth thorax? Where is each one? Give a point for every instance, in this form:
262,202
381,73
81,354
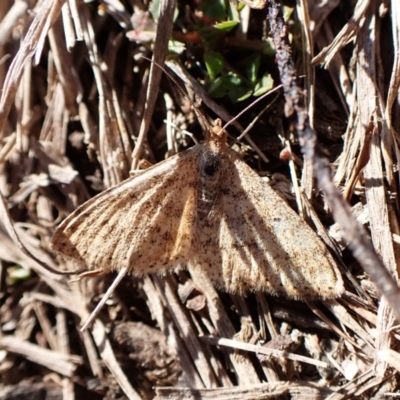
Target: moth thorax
210,171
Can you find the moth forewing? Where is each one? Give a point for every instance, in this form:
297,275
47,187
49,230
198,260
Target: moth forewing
144,223
262,244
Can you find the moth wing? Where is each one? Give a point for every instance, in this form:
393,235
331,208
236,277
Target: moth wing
264,245
145,223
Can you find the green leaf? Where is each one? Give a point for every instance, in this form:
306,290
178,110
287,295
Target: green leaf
214,64
226,25
154,7
208,35
268,48
265,84
233,11
217,88
252,66
232,81
176,47
240,6
239,94
18,273
214,9
227,85
287,13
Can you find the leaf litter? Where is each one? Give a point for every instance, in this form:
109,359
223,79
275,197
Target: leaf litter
85,118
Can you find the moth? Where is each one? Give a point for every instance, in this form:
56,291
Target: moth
204,208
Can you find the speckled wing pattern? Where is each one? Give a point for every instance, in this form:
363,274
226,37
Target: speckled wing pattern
205,208
145,223
263,245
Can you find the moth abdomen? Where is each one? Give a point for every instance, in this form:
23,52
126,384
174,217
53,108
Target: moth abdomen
210,171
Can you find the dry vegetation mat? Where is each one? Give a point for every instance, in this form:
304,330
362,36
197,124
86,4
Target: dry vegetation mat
92,104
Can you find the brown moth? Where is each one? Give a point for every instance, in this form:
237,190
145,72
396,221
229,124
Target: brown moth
206,208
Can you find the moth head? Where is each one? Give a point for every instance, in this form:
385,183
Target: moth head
217,132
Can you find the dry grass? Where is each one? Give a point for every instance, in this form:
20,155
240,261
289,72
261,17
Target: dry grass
90,111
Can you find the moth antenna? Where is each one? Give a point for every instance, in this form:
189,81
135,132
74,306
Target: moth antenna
106,296
183,93
197,109
15,237
249,106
